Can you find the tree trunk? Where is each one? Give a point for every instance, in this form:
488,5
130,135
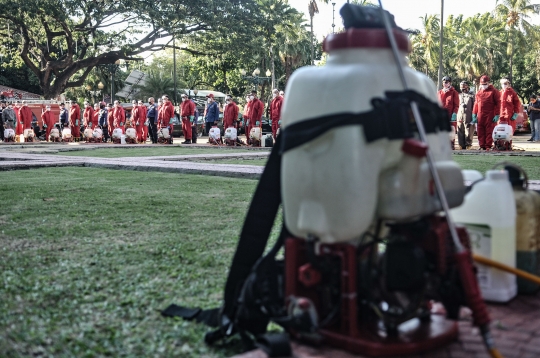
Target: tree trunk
511,59
440,74
272,67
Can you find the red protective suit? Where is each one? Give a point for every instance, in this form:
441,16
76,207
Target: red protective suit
135,121
19,124
187,109
165,113
110,121
95,119
510,104
144,129
88,116
119,118
230,115
48,119
256,108
486,107
25,116
75,120
450,101
275,113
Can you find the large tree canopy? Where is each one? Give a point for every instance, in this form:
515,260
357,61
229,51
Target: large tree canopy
61,41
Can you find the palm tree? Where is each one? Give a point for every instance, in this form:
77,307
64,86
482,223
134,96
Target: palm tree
515,13
426,45
155,86
478,47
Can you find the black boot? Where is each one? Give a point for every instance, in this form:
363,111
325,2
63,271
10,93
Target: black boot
187,141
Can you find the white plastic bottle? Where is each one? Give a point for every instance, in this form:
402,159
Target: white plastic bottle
489,214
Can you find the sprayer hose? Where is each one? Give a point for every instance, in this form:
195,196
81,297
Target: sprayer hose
520,273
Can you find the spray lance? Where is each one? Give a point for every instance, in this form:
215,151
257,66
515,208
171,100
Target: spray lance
462,256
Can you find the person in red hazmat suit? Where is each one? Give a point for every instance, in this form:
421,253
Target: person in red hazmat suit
245,115
119,116
255,113
275,111
187,112
25,116
510,104
230,113
486,112
110,119
136,119
19,126
75,120
449,98
165,113
142,116
48,121
95,117
88,115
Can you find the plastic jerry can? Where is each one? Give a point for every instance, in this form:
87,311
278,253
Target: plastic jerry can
255,133
268,141
527,231
123,139
489,215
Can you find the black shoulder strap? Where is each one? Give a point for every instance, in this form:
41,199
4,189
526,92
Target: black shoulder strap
257,227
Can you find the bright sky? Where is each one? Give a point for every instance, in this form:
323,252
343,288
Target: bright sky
406,12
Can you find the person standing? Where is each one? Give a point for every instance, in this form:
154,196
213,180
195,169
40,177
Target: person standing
275,111
48,120
9,118
110,118
255,113
103,121
450,101
64,122
486,112
510,104
75,120
119,116
195,122
187,113
142,120
152,116
464,116
136,119
534,117
230,113
95,117
25,116
19,127
88,115
212,113
246,115
165,113
2,107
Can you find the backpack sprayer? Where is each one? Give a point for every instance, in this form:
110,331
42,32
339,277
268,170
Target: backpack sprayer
367,248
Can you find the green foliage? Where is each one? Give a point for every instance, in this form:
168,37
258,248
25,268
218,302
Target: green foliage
502,43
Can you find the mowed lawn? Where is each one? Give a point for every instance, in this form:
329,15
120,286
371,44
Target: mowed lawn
90,256
118,151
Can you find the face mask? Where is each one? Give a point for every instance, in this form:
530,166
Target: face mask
184,98
228,101
484,86
446,85
504,86
251,97
209,100
48,108
274,95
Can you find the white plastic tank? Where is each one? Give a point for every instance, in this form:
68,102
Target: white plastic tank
214,133
9,133
231,133
489,215
98,133
502,131
131,133
55,133
123,139
88,133
28,133
66,133
255,133
117,133
335,185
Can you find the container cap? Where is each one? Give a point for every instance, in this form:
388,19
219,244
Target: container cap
497,175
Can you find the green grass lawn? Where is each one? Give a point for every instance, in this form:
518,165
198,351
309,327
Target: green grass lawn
117,152
90,256
247,161
531,165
